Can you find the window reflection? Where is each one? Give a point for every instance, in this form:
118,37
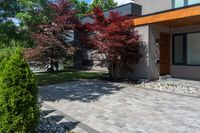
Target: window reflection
182,3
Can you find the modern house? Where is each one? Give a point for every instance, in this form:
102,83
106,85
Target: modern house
170,32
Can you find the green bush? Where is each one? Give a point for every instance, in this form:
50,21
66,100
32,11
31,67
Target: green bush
18,96
6,52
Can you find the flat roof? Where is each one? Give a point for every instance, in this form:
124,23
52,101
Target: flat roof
184,16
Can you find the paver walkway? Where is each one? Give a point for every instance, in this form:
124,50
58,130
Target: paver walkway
121,108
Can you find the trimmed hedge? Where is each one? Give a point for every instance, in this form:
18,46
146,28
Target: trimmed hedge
19,110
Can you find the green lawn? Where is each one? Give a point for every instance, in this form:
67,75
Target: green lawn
45,78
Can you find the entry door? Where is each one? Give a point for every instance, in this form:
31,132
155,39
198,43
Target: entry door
164,53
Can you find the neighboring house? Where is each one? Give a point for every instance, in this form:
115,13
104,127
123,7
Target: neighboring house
170,32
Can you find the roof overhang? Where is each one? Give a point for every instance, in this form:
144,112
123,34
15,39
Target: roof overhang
186,16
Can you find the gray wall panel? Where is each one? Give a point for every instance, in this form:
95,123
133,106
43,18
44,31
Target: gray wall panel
141,69
187,72
154,33
193,28
129,9
152,6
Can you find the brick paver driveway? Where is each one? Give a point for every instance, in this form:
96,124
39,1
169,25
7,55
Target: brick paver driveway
121,108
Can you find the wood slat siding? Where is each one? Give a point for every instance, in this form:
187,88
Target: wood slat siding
164,53
171,17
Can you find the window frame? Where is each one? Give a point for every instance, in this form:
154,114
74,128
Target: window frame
186,3
191,4
173,4
184,49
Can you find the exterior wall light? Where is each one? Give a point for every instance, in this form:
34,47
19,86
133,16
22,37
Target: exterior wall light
157,42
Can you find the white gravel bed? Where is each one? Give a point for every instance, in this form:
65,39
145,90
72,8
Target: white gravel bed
49,125
178,89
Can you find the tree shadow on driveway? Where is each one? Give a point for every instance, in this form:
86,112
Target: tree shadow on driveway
83,91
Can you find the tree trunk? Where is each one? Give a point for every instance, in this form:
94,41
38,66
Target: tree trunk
51,68
115,70
56,64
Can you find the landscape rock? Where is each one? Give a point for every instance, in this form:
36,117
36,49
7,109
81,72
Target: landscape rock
166,87
49,125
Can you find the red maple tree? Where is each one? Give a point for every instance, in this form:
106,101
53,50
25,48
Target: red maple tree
51,46
115,39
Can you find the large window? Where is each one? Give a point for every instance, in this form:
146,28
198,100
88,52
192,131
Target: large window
186,49
182,3
179,3
178,49
193,48
191,2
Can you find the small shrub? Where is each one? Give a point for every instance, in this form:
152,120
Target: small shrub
18,96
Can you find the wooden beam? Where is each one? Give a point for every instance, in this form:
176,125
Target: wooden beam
168,16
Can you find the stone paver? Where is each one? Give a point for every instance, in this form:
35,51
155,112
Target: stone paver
122,108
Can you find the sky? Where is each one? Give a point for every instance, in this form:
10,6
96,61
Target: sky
88,1
120,2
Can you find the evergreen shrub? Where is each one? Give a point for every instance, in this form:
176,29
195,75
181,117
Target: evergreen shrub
19,110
